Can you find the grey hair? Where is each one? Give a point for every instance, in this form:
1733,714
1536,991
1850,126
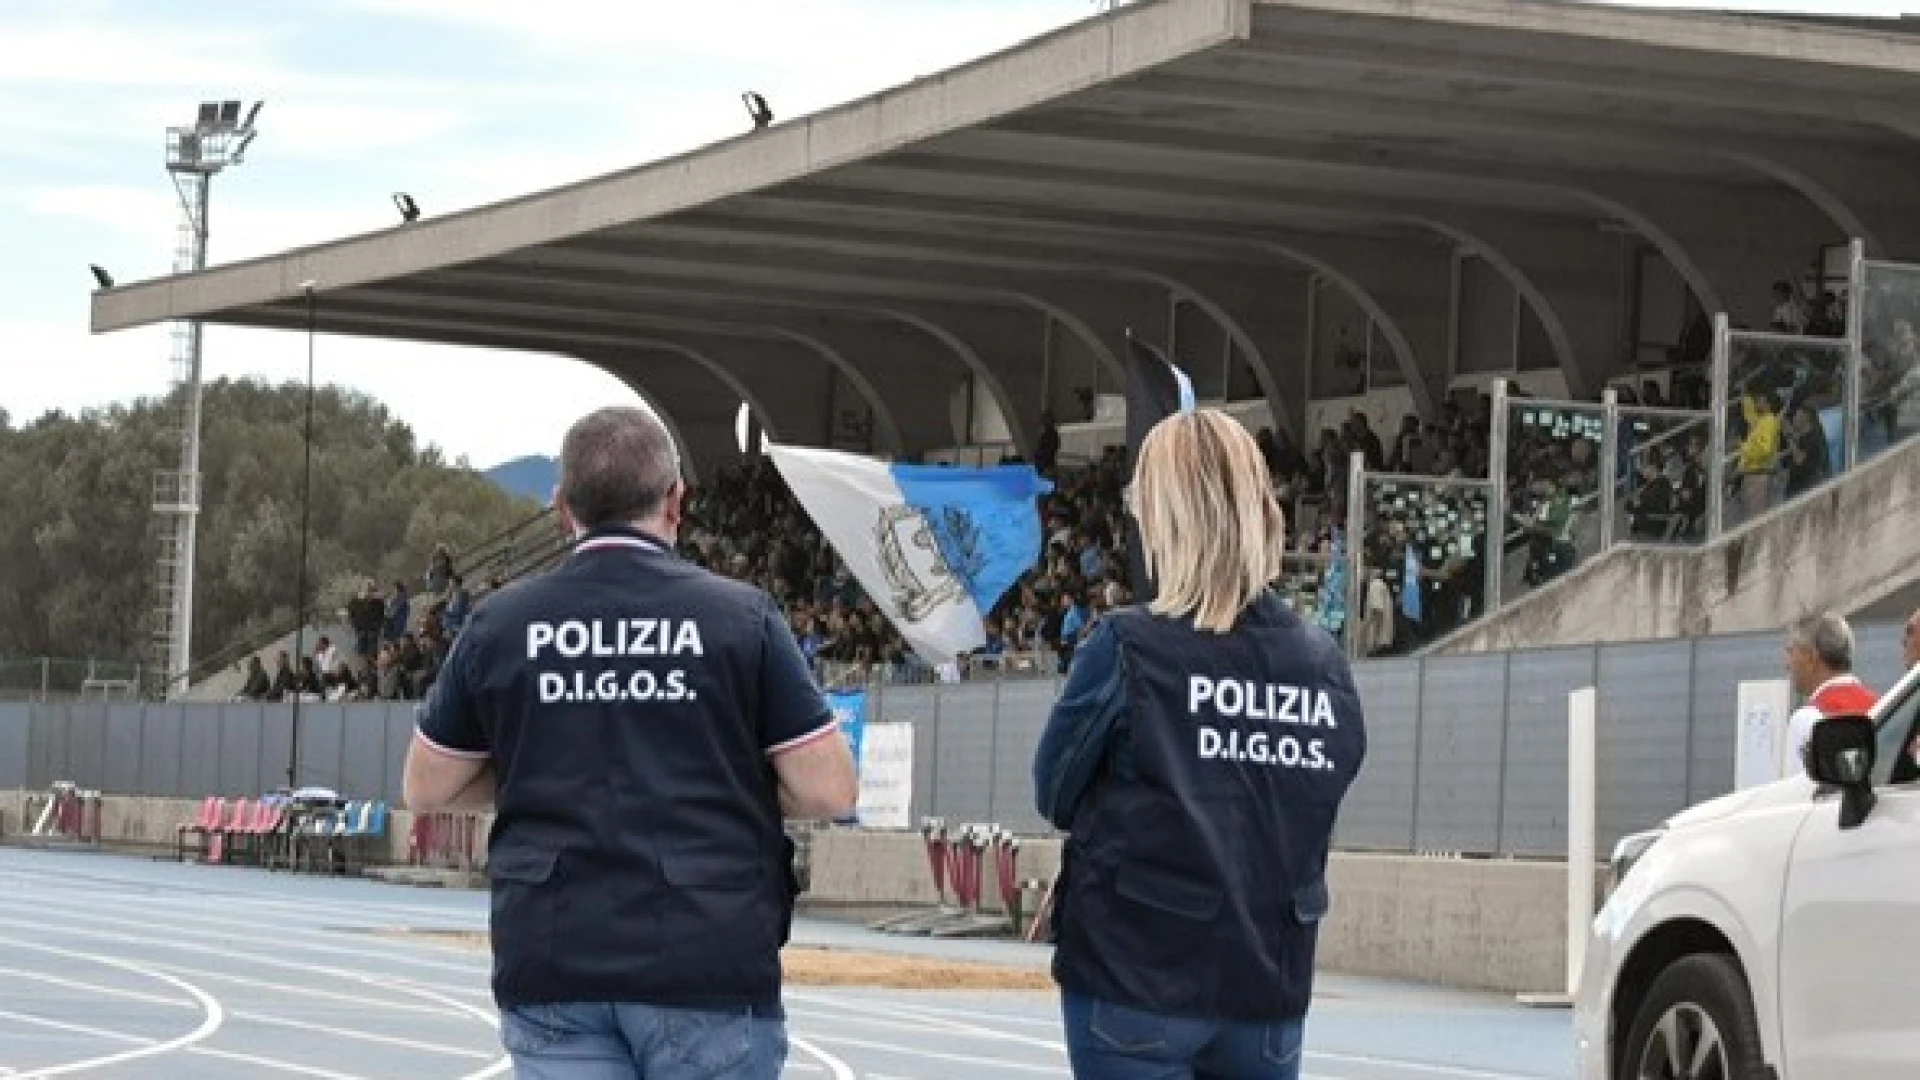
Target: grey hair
1830,638
617,466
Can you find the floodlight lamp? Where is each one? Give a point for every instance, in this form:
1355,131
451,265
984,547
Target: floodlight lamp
757,108
209,116
229,114
101,276
409,210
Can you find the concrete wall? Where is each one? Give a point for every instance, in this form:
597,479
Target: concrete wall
1843,548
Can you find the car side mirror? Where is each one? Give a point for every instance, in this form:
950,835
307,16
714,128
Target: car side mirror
1840,753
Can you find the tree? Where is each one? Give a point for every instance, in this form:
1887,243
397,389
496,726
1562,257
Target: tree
78,537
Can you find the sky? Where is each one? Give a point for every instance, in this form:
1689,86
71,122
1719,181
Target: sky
457,102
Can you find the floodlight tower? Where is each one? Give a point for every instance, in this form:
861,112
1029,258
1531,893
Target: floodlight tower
219,137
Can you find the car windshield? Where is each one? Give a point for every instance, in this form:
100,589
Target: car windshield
1893,720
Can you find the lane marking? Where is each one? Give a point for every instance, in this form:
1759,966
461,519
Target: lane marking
936,1055
123,1037
832,1064
249,1017
214,1014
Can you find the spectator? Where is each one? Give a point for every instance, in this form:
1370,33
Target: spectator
1820,664
1653,506
325,656
283,679
439,569
1788,317
258,686
366,614
1806,452
1758,451
308,684
459,605
1046,452
399,613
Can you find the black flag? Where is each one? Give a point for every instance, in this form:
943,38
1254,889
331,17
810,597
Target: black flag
1155,391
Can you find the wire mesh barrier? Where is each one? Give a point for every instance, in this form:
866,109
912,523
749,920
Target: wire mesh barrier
50,678
1417,564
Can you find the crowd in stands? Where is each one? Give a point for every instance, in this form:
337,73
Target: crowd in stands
399,642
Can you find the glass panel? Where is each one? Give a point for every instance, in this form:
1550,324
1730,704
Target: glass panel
1553,492
1309,585
1661,496
1427,536
1890,357
1785,425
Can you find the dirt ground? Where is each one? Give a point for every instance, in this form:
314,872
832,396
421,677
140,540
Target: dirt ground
836,967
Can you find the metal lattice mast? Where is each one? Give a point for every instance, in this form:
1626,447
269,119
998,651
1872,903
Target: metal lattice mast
195,155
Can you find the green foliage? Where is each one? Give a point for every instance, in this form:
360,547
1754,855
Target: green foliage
78,537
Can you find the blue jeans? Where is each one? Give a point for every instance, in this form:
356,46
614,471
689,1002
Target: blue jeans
1108,1042
641,1042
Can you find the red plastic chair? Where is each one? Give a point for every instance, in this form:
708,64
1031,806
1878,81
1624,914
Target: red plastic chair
212,809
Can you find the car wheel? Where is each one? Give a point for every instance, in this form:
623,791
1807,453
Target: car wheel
1696,1023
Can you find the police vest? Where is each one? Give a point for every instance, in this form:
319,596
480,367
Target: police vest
1195,878
638,852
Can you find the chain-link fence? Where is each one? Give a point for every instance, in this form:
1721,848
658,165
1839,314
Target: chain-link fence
53,678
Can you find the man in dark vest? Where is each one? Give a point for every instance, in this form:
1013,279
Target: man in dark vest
1198,756
641,726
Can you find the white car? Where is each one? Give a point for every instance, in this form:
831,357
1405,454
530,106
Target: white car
1773,934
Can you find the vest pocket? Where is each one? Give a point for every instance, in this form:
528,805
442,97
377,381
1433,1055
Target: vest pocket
523,912
1168,891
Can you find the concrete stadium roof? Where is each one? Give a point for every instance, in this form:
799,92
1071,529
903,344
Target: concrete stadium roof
1211,150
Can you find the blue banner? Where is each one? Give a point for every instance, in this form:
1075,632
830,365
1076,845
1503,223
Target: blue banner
850,712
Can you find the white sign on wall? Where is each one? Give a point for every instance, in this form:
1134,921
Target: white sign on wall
1760,747
886,776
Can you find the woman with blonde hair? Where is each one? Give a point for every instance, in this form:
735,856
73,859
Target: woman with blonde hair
1197,756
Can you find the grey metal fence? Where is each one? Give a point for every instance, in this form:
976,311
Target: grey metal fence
1466,753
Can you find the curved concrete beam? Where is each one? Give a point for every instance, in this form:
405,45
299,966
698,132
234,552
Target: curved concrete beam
883,416
982,373
1585,373
689,468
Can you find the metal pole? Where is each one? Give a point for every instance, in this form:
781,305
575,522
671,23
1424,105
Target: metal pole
1717,432
1582,856
1496,541
179,663
1356,543
300,575
46,679
1851,392
1609,464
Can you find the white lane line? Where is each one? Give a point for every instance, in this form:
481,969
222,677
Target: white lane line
285,937
213,1014
123,1037
250,1017
958,1059
150,942
1419,1066
832,1064
908,1013
486,1017
199,895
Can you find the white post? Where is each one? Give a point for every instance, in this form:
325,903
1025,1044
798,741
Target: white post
1582,771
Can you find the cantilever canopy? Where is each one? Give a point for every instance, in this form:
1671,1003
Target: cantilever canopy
1195,147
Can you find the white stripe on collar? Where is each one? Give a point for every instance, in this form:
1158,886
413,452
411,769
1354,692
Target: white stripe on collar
604,543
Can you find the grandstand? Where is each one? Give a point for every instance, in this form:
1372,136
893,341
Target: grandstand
1527,261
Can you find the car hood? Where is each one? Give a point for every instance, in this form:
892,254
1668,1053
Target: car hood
1793,789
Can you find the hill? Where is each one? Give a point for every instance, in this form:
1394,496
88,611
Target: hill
530,477
78,537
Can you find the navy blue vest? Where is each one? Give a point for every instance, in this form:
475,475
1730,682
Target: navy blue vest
1195,878
638,853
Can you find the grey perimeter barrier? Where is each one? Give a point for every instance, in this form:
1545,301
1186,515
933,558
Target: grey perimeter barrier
1467,754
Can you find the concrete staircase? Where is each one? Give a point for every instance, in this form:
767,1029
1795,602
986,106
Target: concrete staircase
1852,546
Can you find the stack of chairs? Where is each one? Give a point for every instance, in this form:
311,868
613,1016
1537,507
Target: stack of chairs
339,840
269,832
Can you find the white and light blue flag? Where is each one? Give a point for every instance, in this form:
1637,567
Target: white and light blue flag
936,547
